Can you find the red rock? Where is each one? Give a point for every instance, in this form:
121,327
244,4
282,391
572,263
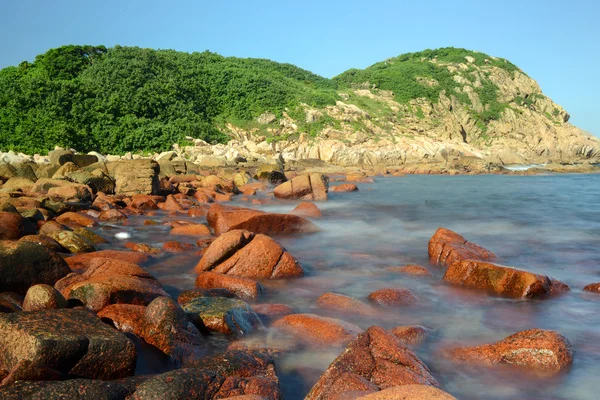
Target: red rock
306,187
171,204
393,297
374,360
112,216
244,254
124,317
43,297
545,351
447,247
592,287
76,220
344,188
344,304
242,287
204,197
411,335
409,392
81,262
307,210
359,178
177,247
72,192
13,226
226,218
233,373
316,330
144,202
74,343
108,281
191,230
272,311
412,269
500,280
198,211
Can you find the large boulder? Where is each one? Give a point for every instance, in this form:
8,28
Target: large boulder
135,177
43,297
162,324
244,254
82,262
375,360
272,173
223,315
226,218
446,247
539,350
71,343
97,180
73,389
24,264
502,281
108,281
243,288
304,187
72,242
316,330
233,373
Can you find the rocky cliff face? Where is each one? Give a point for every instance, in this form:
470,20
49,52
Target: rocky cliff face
369,127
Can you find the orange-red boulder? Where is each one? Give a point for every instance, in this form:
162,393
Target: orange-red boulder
112,215
592,287
316,330
243,288
191,230
81,262
244,254
109,281
412,269
393,297
344,188
307,210
540,350
502,281
272,311
305,187
344,304
225,218
375,360
74,220
177,247
446,247
411,335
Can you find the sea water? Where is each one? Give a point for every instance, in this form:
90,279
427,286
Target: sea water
544,224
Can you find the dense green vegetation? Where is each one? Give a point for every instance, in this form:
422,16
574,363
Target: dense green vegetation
425,75
128,99
131,99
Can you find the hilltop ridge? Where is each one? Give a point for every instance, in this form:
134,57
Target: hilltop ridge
430,106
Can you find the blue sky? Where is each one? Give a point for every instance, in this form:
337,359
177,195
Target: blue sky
555,42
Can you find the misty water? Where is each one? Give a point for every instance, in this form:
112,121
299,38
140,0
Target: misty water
544,224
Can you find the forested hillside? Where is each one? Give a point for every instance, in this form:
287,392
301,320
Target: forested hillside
127,99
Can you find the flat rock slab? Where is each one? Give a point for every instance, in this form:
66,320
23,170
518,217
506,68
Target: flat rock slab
75,343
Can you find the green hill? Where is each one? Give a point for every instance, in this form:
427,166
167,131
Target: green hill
130,99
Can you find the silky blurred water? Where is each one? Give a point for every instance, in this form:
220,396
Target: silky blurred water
544,224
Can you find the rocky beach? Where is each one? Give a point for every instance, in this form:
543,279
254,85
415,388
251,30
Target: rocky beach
162,278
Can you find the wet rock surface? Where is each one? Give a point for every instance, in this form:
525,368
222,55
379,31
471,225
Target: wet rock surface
72,343
222,315
248,255
502,281
374,360
545,351
447,247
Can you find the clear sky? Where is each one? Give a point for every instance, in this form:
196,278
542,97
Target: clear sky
556,42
